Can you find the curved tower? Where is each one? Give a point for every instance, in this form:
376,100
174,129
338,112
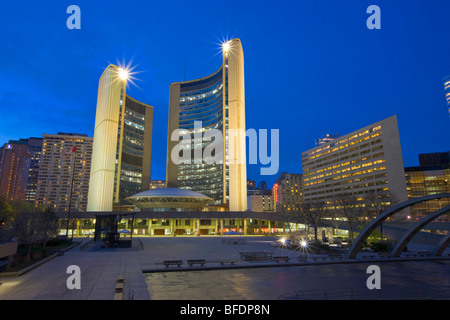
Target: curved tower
121,152
216,102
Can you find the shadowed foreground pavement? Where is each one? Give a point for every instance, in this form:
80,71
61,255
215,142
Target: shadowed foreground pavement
266,280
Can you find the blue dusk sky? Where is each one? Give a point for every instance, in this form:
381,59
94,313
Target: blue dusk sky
311,67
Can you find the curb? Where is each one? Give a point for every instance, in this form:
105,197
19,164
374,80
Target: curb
37,264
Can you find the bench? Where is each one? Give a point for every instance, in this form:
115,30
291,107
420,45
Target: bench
256,256
228,261
335,256
168,263
278,259
196,261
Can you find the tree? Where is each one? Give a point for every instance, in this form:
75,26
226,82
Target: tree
6,220
312,213
350,208
33,227
378,202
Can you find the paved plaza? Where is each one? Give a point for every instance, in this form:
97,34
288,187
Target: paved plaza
143,262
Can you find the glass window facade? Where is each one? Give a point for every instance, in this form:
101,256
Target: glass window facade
423,181
202,100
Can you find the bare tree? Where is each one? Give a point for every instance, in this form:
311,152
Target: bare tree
33,228
312,213
378,202
350,208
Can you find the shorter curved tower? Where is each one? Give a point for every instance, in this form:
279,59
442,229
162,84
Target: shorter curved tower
121,152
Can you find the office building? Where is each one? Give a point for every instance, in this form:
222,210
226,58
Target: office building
121,159
431,177
157,184
287,192
216,102
434,159
260,202
64,170
363,163
15,161
327,138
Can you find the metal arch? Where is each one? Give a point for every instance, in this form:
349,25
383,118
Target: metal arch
363,235
411,232
440,247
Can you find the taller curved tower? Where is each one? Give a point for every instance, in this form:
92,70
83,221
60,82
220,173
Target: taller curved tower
218,101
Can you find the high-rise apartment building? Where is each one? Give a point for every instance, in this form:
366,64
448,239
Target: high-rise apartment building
447,92
64,169
365,162
121,159
36,148
15,161
216,102
287,192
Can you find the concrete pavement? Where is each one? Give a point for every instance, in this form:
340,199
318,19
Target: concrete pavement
101,267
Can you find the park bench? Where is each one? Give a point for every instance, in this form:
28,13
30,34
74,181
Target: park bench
227,261
335,256
278,259
196,261
168,263
255,256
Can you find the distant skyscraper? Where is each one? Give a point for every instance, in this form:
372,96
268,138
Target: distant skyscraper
287,192
121,156
36,147
327,138
434,159
217,101
447,92
65,165
157,184
15,160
